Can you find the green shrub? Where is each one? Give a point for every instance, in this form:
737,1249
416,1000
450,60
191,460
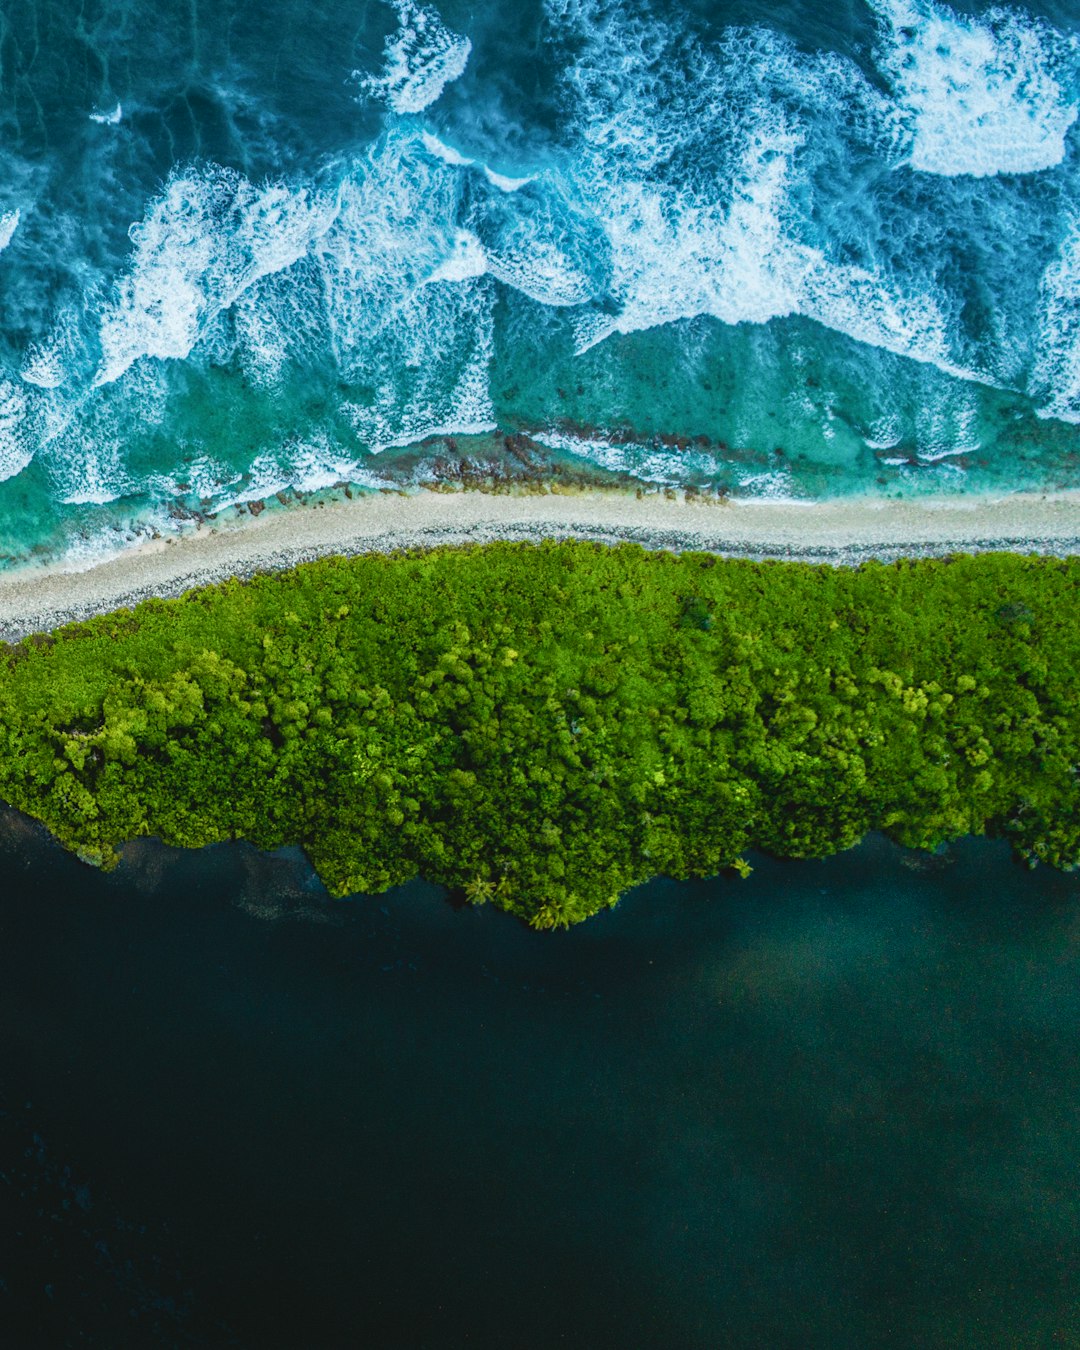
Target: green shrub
543,726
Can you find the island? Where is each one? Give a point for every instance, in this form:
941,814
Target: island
543,723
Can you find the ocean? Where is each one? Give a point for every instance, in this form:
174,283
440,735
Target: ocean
795,249
787,250
831,1106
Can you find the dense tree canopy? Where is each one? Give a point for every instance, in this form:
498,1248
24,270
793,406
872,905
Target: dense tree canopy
544,726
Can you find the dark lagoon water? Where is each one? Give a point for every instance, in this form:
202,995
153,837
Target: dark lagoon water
801,247
833,1106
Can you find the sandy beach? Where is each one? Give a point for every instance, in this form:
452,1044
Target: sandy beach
842,531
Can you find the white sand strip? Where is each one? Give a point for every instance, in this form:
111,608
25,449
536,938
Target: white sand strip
847,530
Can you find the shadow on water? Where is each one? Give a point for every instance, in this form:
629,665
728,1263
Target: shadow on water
835,1105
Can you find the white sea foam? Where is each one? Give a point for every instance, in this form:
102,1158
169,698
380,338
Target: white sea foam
407,305
449,155
694,181
773,486
1056,377
9,223
466,260
379,273
16,442
618,457
97,488
431,375
49,362
83,436
308,464
678,254
210,236
652,464
979,96
89,470
540,244
44,366
445,152
647,462
732,241
506,184
886,433
420,59
533,242
394,225
112,118
946,425
874,310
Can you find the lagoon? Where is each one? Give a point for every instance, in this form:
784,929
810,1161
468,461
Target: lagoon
830,1106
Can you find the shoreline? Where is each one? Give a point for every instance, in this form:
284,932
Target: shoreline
840,531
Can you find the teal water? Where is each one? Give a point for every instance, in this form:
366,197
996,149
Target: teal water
829,1108
792,248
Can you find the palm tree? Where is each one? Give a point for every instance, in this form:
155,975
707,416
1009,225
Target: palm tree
479,891
549,915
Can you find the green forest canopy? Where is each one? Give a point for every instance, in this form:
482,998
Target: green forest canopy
546,725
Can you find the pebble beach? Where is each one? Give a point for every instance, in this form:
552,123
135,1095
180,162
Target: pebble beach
844,531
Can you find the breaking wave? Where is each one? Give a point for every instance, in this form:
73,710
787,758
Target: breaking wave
16,448
734,178
1057,368
421,58
978,96
209,238
9,223
690,185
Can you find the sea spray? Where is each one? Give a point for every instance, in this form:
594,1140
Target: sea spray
978,96
766,256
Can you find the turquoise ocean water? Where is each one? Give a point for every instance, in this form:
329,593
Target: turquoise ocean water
829,1108
792,248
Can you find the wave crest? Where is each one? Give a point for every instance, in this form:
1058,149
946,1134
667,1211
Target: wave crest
978,96
419,60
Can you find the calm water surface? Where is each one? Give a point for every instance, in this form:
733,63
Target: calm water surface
833,1106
